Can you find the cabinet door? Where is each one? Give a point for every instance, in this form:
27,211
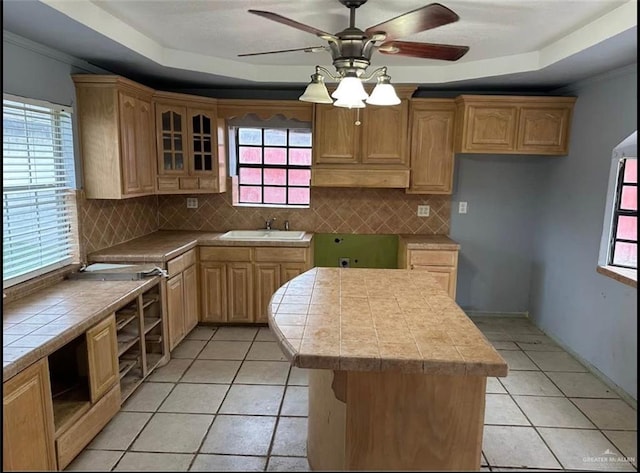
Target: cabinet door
336,137
544,130
202,145
289,271
490,128
213,292
102,350
27,421
384,134
267,281
128,116
171,131
190,279
175,309
445,276
239,292
145,156
432,155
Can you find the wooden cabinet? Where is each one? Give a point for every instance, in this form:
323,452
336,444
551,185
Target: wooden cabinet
102,349
362,147
27,421
187,145
432,156
513,124
441,263
115,124
141,329
238,282
182,296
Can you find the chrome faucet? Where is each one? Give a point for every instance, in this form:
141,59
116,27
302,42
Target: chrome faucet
268,223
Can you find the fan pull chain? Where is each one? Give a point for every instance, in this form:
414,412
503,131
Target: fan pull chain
358,122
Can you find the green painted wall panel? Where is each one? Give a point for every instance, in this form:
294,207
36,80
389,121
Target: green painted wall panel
363,251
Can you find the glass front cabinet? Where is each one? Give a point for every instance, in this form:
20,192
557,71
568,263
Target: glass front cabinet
187,148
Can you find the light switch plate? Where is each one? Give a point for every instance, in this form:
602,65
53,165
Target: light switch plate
192,202
423,210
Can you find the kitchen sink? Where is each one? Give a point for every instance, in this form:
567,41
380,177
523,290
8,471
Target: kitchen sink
263,235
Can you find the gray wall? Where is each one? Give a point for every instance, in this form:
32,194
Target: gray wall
591,314
496,233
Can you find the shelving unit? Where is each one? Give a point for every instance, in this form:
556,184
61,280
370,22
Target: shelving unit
69,384
140,339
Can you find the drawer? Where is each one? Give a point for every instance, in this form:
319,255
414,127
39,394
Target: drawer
182,262
433,258
168,183
188,183
281,255
225,253
78,436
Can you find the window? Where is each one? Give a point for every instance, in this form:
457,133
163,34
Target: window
37,189
623,251
273,166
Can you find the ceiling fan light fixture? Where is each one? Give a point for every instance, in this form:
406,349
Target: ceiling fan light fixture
349,103
316,91
383,93
350,89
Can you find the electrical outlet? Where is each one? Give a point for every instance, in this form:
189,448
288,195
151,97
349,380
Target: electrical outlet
423,210
462,207
192,202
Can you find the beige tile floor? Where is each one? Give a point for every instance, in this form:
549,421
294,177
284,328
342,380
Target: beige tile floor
229,401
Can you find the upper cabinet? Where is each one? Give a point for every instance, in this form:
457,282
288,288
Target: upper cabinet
513,124
115,122
187,145
432,157
362,147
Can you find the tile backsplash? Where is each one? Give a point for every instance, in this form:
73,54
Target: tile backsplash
104,223
333,210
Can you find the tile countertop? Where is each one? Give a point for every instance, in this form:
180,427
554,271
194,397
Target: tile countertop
164,245
39,324
375,320
428,242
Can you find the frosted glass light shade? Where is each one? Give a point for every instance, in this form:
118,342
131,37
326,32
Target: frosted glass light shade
351,89
383,94
316,91
347,103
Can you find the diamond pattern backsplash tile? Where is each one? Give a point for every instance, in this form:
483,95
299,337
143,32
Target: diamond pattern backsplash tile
104,223
333,210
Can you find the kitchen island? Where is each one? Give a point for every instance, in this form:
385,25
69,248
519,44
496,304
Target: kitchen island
397,370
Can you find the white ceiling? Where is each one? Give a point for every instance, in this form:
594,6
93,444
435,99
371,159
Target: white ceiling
196,42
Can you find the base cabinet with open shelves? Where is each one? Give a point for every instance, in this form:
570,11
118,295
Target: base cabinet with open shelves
141,339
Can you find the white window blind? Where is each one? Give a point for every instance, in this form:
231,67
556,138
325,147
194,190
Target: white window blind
37,181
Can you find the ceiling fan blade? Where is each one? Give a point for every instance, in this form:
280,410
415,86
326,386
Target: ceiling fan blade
444,52
415,21
312,49
293,23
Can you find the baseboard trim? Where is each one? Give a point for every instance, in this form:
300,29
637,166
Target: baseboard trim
482,313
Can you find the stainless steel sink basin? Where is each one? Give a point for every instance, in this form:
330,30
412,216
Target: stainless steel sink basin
263,235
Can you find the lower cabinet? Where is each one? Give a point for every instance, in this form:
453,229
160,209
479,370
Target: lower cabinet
442,264
182,297
236,283
27,421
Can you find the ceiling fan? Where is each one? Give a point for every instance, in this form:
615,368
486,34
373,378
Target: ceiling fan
354,44
351,48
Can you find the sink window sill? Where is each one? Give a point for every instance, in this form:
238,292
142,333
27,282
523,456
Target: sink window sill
623,275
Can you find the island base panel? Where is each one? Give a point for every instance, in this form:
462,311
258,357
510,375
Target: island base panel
395,421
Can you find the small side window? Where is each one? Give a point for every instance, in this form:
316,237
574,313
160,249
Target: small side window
623,250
